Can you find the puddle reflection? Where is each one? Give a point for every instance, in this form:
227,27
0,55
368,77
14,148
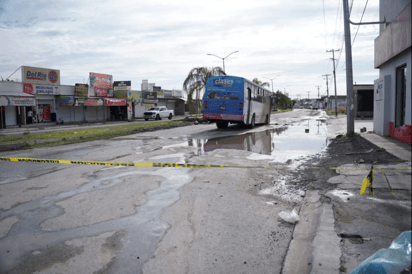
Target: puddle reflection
291,140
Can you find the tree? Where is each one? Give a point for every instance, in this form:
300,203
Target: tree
282,100
196,81
260,83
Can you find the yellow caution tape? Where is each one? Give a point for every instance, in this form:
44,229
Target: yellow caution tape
54,161
387,181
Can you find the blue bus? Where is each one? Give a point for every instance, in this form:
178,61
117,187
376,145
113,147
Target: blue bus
235,100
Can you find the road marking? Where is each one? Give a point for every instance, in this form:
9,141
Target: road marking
97,163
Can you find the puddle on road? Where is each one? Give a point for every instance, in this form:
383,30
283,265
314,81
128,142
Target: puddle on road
277,144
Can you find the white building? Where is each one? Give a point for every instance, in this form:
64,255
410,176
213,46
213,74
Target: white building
392,91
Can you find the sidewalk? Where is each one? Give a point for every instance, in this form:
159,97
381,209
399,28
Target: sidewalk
337,125
339,229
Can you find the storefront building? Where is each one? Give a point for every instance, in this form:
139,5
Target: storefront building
16,107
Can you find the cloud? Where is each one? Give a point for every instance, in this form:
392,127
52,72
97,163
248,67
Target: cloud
162,40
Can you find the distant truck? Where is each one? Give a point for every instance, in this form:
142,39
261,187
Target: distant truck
158,113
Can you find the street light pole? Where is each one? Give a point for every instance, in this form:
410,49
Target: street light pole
223,58
271,79
284,89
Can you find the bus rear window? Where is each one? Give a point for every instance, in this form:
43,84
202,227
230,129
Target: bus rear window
223,95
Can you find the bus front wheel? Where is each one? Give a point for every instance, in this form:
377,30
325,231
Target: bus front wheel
222,124
252,123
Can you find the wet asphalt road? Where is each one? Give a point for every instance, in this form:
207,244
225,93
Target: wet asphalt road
86,219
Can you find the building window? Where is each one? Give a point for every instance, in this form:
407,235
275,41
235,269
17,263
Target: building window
400,96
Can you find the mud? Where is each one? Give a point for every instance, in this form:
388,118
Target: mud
45,258
336,155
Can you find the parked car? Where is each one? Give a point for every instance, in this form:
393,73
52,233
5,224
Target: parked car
158,113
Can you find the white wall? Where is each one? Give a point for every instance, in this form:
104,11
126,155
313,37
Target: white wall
389,68
8,88
139,110
67,90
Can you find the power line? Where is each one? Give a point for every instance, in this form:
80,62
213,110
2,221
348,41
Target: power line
351,5
324,22
338,19
361,22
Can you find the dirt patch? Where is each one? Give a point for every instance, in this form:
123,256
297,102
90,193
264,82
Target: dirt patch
349,150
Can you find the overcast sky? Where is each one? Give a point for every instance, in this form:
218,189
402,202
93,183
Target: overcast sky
163,40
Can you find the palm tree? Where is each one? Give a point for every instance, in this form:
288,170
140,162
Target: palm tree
260,83
196,82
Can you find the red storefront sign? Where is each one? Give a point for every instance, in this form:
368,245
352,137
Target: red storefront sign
28,88
115,102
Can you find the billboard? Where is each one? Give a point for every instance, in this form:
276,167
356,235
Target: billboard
120,94
40,89
161,94
149,97
177,93
66,101
168,93
98,80
134,96
122,85
40,76
81,90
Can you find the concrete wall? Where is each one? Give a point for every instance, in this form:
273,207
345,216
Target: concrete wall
395,38
389,9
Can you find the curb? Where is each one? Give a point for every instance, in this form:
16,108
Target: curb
315,247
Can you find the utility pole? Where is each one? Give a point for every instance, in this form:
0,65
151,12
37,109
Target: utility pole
349,73
334,77
327,88
327,84
308,93
318,91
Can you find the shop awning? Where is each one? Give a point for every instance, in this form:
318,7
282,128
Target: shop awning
115,102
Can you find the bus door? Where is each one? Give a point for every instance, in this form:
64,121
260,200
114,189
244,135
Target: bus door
249,95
